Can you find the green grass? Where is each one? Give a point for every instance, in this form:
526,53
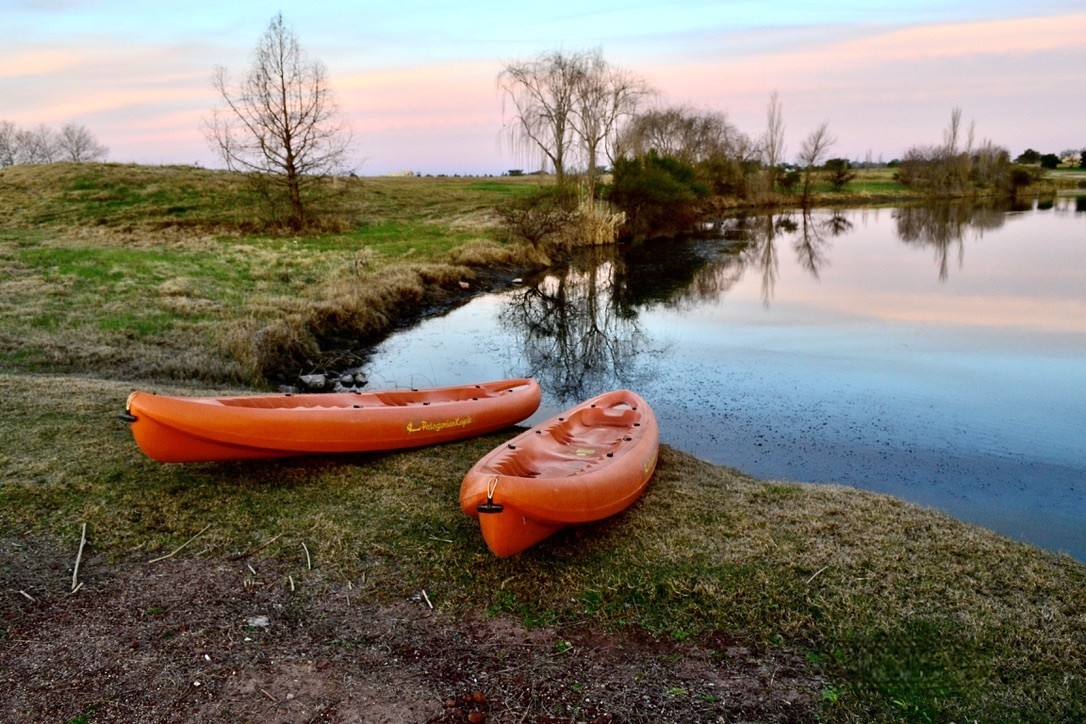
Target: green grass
167,272
909,614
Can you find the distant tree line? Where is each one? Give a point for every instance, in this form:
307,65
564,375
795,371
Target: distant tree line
1070,158
671,163
574,113
73,142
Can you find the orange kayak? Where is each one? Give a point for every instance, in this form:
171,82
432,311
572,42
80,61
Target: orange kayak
197,429
590,462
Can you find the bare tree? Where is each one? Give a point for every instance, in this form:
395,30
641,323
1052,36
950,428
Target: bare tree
566,108
9,143
773,144
37,145
281,121
959,161
603,96
811,153
539,93
75,143
956,170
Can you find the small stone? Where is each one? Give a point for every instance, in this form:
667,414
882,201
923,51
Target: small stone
313,382
260,621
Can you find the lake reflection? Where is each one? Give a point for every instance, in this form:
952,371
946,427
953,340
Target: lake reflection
935,353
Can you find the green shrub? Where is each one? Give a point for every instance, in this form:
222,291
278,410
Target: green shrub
660,196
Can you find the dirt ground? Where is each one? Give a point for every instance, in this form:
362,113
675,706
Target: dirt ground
186,639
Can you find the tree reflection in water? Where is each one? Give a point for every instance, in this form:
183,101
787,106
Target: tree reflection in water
578,336
579,325
810,242
943,226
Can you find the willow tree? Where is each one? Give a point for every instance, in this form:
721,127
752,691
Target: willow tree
537,94
280,122
603,97
566,108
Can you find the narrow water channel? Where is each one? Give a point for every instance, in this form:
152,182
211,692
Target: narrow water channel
935,353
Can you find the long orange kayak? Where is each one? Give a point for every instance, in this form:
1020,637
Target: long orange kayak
586,464
197,429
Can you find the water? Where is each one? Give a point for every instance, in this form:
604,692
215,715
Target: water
937,354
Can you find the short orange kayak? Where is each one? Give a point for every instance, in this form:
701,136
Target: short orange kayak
586,464
198,429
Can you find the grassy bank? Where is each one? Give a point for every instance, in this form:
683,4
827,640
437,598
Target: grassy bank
156,272
907,613
117,277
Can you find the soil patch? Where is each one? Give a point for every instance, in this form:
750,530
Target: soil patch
187,639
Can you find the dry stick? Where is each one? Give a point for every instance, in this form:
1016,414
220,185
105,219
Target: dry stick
29,597
816,574
263,545
180,547
427,599
308,560
78,557
265,693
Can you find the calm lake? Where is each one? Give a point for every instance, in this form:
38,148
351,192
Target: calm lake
935,353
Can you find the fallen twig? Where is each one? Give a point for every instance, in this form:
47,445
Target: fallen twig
28,596
78,557
180,547
291,579
308,560
74,590
816,574
427,599
265,693
263,545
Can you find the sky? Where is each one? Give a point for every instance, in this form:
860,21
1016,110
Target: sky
416,79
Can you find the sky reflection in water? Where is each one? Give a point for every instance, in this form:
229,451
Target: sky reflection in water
934,353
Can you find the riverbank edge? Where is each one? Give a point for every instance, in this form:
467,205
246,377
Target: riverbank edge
872,592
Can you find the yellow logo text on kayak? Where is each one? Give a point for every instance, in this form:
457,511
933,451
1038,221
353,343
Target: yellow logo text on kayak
438,426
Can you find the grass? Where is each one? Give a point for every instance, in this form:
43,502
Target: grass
115,277
132,270
910,614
